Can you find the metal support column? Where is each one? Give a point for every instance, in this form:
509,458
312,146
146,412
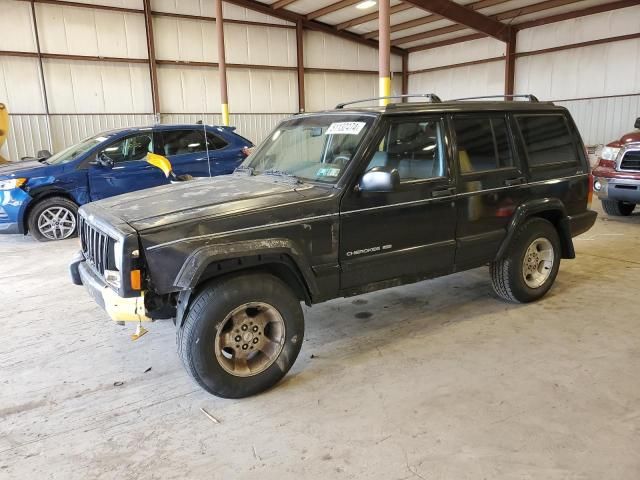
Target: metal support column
300,53
222,64
384,50
510,63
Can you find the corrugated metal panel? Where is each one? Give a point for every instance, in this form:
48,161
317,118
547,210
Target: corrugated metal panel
195,89
27,135
480,79
322,50
97,87
457,53
623,21
20,85
599,70
86,31
604,120
17,27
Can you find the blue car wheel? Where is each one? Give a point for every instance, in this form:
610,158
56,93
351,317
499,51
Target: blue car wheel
54,218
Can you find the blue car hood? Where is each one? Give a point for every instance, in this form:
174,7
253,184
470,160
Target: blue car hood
27,169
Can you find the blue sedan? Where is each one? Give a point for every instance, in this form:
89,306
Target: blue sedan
42,197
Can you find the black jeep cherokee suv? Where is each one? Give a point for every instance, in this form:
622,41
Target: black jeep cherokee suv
334,204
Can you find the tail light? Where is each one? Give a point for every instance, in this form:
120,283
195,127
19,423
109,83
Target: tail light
590,194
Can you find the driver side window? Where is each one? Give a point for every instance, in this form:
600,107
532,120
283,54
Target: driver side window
414,147
130,148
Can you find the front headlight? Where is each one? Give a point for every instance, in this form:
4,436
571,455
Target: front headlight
609,153
118,253
12,183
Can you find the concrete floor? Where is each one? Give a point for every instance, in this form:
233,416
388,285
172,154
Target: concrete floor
438,380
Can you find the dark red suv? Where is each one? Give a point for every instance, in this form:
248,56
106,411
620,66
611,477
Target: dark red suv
617,175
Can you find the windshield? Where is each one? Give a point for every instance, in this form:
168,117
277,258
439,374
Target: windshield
74,151
314,147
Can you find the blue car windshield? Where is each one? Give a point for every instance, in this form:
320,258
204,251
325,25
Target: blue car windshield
314,147
70,154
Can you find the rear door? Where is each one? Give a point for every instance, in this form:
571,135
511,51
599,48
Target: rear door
130,170
490,184
408,233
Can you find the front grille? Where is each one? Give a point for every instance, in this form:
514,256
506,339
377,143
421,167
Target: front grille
96,246
631,160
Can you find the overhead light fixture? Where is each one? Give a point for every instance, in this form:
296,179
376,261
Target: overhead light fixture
366,4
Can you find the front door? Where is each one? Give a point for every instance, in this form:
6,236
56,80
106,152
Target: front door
129,170
409,233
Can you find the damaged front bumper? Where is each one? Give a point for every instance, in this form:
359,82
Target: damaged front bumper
119,309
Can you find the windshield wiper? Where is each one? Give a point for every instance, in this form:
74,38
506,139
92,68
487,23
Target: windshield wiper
282,174
244,170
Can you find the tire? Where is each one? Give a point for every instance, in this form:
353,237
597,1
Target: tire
525,275
618,209
59,210
209,359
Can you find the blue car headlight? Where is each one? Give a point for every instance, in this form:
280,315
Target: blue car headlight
12,183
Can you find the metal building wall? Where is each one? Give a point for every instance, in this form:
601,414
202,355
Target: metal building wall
324,89
599,84
464,81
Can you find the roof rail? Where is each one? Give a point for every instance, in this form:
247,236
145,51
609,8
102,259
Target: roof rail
431,96
530,97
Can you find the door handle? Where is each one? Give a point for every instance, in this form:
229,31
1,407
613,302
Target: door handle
445,192
514,181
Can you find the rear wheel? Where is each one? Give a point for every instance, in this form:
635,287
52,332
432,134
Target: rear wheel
54,218
617,208
530,265
242,334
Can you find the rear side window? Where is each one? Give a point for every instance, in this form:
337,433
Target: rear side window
483,143
180,142
215,142
547,140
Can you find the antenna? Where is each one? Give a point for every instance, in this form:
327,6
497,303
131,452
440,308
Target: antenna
204,124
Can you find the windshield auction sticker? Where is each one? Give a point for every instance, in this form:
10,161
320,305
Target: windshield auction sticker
345,128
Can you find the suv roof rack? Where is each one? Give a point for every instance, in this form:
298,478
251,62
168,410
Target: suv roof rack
431,96
528,96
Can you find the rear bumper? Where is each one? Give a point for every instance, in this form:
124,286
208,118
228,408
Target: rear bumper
582,222
119,309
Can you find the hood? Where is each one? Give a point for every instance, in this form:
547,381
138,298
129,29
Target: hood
27,169
633,137
223,196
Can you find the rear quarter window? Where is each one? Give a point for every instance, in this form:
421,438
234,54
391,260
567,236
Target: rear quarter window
547,141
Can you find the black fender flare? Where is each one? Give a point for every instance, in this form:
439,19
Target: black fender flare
244,255
551,209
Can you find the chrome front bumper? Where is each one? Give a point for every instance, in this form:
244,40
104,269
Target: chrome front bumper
119,309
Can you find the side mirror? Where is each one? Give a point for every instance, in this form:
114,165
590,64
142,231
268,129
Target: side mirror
162,163
43,154
104,160
380,179
637,124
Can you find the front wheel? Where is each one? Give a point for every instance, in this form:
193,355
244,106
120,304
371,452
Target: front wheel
242,334
54,218
530,265
617,208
